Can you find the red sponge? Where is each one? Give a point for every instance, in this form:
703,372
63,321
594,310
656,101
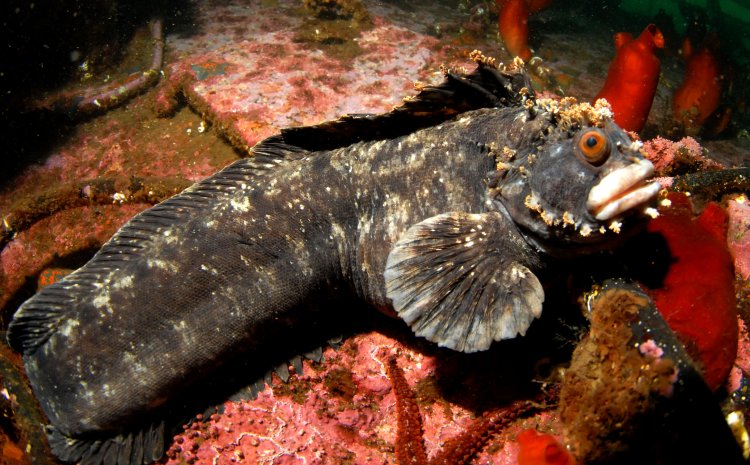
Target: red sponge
697,298
541,449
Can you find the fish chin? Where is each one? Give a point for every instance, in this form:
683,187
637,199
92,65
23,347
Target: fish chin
621,190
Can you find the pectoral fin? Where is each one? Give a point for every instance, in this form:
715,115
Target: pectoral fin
458,279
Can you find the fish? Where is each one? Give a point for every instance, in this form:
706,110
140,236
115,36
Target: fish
632,77
440,212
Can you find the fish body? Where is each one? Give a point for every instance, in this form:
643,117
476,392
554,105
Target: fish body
439,211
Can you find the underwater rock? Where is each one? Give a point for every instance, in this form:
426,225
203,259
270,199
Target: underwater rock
275,80
343,410
337,9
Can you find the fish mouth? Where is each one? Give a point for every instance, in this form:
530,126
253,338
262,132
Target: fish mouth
621,190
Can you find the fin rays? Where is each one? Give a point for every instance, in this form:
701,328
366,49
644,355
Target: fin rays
454,281
485,87
135,448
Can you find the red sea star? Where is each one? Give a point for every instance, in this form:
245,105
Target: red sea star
461,450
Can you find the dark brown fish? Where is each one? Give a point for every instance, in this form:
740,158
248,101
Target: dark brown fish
441,210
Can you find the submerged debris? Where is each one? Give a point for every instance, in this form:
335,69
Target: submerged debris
633,395
110,95
100,191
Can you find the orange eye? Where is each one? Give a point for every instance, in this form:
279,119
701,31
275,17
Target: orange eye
594,147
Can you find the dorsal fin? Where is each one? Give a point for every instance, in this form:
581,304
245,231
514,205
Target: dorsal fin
486,87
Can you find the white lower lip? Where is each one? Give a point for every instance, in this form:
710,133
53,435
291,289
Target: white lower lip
622,190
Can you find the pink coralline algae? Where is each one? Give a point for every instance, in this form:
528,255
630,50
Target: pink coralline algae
250,89
738,235
342,411
742,364
670,158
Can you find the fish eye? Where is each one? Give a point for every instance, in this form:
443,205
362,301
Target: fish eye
594,146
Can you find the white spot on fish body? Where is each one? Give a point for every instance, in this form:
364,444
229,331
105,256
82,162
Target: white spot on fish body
162,264
124,282
241,205
102,301
66,329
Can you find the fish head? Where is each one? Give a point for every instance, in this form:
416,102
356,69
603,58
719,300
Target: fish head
582,185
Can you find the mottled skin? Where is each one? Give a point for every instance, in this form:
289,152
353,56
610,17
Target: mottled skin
259,251
199,278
